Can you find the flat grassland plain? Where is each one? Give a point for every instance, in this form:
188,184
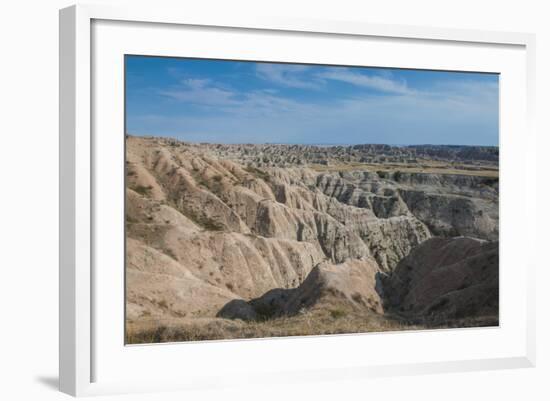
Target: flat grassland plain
227,241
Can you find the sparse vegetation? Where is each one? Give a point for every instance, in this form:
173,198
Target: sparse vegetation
310,323
209,224
170,253
319,322
130,219
143,190
204,221
258,173
337,313
432,168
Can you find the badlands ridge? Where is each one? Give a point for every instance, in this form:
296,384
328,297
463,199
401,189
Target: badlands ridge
233,241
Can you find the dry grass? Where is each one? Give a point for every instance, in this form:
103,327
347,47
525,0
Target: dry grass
325,321
319,322
429,167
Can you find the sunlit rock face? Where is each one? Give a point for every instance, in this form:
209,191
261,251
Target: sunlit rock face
262,231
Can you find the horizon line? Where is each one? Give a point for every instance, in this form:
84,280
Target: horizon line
319,144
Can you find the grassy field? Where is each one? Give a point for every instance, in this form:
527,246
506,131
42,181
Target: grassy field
424,167
325,321
331,321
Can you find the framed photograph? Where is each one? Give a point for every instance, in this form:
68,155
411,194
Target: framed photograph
279,200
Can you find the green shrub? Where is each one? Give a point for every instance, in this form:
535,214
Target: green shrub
337,313
143,190
258,173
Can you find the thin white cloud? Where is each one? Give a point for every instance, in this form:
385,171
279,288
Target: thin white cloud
464,111
466,90
202,92
293,76
207,93
371,81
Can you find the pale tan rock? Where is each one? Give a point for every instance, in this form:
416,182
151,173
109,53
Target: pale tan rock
354,283
246,231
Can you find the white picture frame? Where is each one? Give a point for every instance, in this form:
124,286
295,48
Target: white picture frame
81,342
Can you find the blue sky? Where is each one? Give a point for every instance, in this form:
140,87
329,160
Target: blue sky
247,102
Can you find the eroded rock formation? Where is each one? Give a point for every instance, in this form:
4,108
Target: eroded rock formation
254,231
